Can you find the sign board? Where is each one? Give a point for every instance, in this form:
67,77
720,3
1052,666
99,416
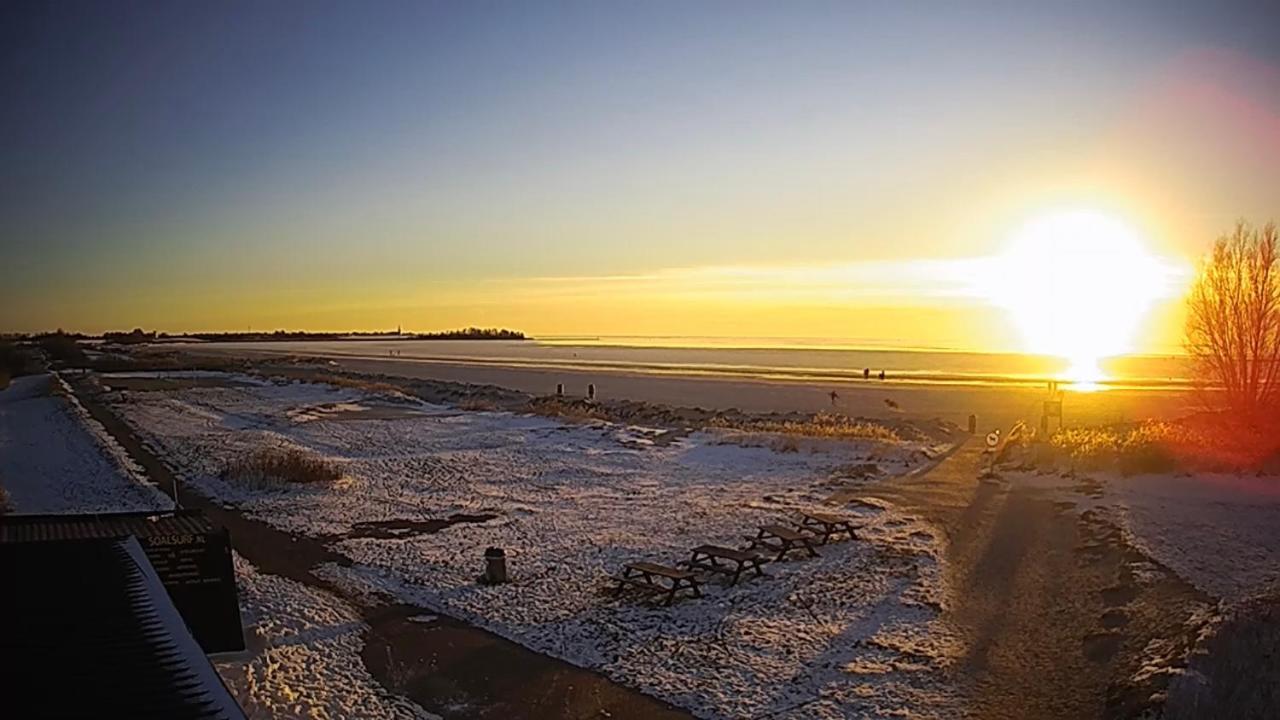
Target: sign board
1053,408
993,439
190,556
197,571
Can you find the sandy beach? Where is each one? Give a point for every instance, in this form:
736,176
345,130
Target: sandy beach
996,406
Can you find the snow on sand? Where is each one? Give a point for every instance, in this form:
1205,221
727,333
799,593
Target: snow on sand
854,633
54,458
303,655
1216,531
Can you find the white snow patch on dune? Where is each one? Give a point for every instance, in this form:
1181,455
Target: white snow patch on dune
1218,532
304,655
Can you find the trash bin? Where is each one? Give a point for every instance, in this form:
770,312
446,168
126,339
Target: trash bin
495,566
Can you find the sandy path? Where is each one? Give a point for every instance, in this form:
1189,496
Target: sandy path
1056,622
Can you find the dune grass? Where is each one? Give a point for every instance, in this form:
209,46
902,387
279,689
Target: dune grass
1205,443
269,467
824,425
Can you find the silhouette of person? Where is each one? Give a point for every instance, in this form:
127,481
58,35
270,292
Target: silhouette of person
881,374
834,397
591,391
866,373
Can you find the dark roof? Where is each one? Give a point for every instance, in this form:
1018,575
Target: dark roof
89,632
35,528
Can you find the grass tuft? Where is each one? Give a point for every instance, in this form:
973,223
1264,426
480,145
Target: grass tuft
272,467
826,425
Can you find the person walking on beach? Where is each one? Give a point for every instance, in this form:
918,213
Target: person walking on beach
881,374
591,391
834,398
866,373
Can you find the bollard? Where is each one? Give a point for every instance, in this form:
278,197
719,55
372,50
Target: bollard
495,566
973,424
559,389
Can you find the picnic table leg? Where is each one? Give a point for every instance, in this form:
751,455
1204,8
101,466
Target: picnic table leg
671,596
622,582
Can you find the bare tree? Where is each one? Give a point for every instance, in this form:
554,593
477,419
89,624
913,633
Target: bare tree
1233,322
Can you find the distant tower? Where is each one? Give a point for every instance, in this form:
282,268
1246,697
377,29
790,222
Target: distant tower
398,330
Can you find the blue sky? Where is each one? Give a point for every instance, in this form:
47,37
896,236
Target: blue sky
203,165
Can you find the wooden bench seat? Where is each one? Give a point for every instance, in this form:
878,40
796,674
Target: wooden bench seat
654,579
825,526
782,540
709,557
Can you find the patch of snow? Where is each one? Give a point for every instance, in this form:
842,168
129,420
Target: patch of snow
55,458
854,632
1216,531
304,660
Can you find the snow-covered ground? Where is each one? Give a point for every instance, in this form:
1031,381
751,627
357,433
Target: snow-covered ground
855,633
304,644
1221,533
303,656
54,458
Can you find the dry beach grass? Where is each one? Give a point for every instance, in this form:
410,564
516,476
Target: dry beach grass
275,466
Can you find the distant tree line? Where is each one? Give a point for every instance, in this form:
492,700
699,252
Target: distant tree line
134,337
471,333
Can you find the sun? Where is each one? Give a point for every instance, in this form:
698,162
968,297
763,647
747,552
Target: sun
1078,285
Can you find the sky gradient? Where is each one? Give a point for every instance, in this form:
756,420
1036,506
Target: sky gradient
794,169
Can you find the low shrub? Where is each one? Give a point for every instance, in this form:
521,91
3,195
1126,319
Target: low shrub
1148,447
274,466
828,425
476,404
567,408
369,386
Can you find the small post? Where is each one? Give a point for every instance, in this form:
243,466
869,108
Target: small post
559,389
495,566
973,424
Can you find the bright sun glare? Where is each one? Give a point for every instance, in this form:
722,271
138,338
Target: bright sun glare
1078,285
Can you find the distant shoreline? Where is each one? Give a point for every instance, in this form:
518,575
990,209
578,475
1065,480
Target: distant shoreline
137,337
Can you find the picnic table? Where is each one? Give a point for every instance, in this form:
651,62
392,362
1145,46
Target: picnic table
654,579
825,525
782,540
710,557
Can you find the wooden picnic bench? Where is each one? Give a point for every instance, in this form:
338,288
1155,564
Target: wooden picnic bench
709,557
782,540
824,526
654,579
